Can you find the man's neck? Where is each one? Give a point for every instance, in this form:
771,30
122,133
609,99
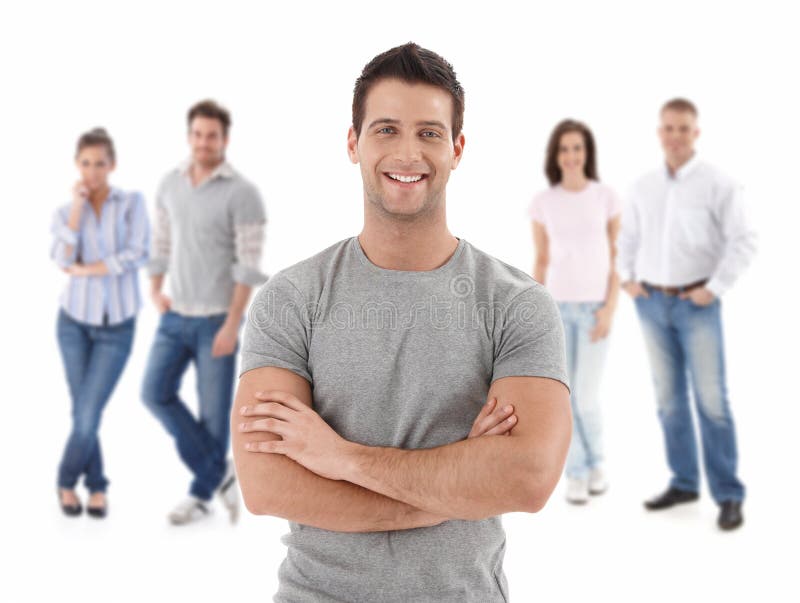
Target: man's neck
676,163
413,245
199,172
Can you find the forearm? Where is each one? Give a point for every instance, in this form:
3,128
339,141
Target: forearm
469,479
156,283
239,299
94,269
612,293
280,487
277,485
540,271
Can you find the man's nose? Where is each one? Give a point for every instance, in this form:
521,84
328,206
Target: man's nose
407,149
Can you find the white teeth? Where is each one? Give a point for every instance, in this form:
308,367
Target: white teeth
405,178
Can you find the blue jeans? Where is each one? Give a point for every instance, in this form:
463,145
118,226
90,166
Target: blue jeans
203,442
684,342
94,358
585,360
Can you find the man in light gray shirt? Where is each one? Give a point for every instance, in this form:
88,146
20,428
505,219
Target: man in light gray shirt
208,237
684,242
364,367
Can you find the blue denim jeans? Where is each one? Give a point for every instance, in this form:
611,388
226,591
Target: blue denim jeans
685,345
94,358
585,361
202,442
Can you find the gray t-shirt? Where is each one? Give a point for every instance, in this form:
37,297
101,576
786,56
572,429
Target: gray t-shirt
402,359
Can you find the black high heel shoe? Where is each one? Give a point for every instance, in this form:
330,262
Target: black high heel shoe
69,510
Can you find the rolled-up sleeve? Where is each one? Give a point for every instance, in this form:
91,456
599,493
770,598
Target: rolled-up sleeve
133,253
65,240
249,225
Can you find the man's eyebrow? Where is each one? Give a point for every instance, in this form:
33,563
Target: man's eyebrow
383,120
394,122
433,123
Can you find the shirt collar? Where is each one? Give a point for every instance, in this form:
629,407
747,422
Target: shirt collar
223,170
115,194
682,172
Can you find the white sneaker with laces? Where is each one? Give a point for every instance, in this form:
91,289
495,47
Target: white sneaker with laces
597,481
228,492
188,511
577,491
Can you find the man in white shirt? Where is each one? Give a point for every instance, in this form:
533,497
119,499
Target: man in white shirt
684,242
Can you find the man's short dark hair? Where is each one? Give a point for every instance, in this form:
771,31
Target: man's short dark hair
681,105
412,64
210,109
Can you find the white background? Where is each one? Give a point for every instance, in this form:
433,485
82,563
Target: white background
287,76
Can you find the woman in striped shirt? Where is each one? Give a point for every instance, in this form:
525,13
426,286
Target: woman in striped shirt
100,239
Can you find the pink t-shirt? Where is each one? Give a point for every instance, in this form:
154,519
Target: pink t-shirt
577,234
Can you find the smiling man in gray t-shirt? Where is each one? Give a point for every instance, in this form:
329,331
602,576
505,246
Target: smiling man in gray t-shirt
364,367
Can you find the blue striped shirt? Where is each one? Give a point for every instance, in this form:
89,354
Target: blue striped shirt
120,237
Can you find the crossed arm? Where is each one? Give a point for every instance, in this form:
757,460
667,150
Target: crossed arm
292,465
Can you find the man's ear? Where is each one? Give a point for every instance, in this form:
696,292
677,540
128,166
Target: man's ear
458,150
352,144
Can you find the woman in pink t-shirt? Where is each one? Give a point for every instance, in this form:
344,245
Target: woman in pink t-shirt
575,226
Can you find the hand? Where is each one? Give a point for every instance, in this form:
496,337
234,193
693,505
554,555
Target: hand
306,438
77,270
493,421
634,289
602,325
700,296
161,301
225,340
80,194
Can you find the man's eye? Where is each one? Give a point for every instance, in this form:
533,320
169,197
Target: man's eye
430,134
385,130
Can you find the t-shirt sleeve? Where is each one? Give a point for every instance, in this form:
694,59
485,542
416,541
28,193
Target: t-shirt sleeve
535,210
277,329
529,338
614,204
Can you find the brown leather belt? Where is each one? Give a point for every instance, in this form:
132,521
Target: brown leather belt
675,290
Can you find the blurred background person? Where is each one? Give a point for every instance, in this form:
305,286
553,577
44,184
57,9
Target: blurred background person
208,237
101,239
575,226
684,242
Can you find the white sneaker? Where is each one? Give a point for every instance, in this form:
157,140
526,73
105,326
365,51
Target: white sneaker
597,481
188,511
577,491
228,493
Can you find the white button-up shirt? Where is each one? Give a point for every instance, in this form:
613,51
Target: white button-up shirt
682,228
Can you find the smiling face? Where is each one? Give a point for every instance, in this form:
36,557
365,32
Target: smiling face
571,154
94,164
406,149
207,140
678,132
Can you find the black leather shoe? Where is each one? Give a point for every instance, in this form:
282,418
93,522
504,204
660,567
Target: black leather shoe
69,510
672,497
730,515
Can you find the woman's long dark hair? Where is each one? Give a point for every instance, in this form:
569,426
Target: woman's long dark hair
551,169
